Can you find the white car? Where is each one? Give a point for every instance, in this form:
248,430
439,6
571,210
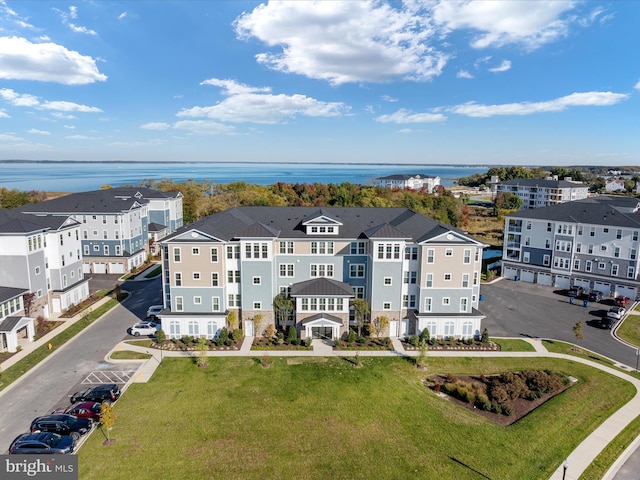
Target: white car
154,310
143,328
616,312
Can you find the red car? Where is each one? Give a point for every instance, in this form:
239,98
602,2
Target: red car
622,301
90,410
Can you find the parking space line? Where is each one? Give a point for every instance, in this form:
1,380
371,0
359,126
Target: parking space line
98,377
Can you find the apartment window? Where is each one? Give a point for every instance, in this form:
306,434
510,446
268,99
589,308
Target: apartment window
257,305
635,235
356,270
195,251
215,304
430,255
257,280
618,234
427,304
616,252
579,229
387,281
117,235
590,248
411,253
197,300
562,263
196,275
104,219
322,270
179,304
214,279
357,248
633,254
576,264
475,278
528,224
429,280
449,329
605,230
525,257
233,276
592,232
214,255
447,277
578,247
631,271
446,301
96,248
527,241
37,270
601,265
614,270
85,234
358,292
63,262
548,226
322,248
105,235
233,251
467,256
588,266
286,248
477,254
61,239
386,305
178,278
448,252
463,304
233,300
94,233
118,250
465,280
194,328
286,270
106,249
603,248
176,255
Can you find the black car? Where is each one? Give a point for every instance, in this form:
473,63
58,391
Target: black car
109,392
595,296
42,443
62,424
607,322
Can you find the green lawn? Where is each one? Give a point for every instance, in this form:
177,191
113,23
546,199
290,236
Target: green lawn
629,331
513,345
305,419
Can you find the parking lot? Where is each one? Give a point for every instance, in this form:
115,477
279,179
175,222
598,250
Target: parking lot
521,309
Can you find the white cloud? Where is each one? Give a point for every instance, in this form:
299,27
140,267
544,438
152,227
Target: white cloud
503,67
122,16
464,74
387,98
637,85
10,137
155,126
45,62
35,131
4,114
343,42
203,127
73,15
81,137
70,127
406,116
583,99
63,116
405,130
9,15
27,100
530,23
244,105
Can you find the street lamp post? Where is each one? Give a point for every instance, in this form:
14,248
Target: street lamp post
565,465
637,357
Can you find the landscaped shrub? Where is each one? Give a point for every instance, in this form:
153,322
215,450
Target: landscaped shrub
307,342
351,336
360,340
187,340
425,335
414,340
485,336
237,335
482,401
223,336
292,333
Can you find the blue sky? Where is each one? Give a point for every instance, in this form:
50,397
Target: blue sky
456,82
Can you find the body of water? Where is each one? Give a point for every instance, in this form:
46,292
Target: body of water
79,177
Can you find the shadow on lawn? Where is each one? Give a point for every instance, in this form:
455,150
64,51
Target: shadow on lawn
468,467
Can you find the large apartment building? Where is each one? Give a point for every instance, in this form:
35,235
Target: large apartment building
415,271
414,181
541,193
592,243
115,223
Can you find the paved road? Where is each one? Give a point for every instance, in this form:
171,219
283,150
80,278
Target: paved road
81,360
520,309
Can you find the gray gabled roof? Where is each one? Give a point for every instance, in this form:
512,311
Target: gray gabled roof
9,293
288,222
156,227
140,192
602,210
89,203
531,182
405,176
11,324
384,231
321,287
320,316
258,230
21,225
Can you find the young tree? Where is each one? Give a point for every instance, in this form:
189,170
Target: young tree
232,320
258,327
283,307
203,348
161,337
577,331
28,299
107,421
271,330
485,336
383,325
421,360
361,307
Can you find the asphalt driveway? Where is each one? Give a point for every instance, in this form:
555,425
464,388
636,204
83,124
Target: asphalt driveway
521,309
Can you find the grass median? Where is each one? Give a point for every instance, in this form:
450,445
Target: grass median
317,420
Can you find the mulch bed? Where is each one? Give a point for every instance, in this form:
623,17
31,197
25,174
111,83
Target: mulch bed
521,407
456,345
192,347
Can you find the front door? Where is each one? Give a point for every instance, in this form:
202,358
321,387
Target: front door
323,333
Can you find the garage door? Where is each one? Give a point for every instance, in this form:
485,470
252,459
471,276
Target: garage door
562,282
626,291
99,268
322,332
581,282
527,276
605,288
116,268
544,279
86,268
510,273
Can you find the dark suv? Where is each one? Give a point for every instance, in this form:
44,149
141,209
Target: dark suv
576,292
595,296
62,425
42,443
109,392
